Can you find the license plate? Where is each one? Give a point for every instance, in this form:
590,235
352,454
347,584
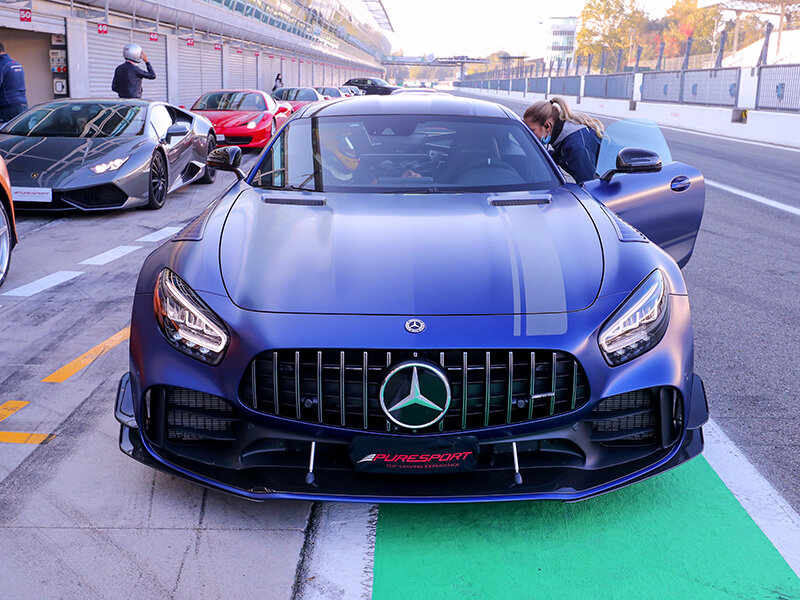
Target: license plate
31,194
414,457
220,137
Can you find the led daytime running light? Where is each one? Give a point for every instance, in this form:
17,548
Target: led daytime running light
111,165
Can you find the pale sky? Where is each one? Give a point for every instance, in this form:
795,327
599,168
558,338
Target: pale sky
480,27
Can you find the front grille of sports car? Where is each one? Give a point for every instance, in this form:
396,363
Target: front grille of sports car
648,416
233,140
101,196
340,387
182,415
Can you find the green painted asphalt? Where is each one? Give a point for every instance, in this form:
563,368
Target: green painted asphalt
681,535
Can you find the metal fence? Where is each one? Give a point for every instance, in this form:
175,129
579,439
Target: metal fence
662,86
609,86
711,87
566,86
517,85
537,85
778,88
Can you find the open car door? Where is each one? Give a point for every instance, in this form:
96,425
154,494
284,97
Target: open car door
666,206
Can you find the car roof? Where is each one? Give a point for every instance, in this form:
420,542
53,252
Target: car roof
422,104
131,101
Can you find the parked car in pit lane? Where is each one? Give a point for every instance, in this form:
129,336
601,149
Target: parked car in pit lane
298,96
8,230
244,118
372,86
330,92
96,154
408,286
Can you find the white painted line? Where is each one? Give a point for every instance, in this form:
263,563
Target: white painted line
754,197
44,283
107,257
159,235
776,518
339,562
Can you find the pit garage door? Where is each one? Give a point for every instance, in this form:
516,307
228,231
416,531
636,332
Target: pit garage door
31,50
271,66
250,71
105,51
199,71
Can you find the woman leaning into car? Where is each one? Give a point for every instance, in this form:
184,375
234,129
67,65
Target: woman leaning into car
573,136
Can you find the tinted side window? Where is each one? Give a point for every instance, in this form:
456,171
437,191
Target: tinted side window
290,160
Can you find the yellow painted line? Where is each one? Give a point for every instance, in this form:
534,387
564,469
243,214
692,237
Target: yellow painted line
9,408
88,357
18,437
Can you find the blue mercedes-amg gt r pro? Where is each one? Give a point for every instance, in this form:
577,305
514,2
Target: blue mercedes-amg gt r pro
405,301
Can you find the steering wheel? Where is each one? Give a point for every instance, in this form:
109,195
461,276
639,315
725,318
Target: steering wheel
483,164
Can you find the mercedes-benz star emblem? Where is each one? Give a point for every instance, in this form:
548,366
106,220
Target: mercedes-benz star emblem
415,394
34,176
415,325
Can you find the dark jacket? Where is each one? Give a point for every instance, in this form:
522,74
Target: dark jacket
575,149
12,82
128,79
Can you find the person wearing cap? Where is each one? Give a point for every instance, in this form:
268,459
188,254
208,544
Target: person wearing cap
13,100
128,77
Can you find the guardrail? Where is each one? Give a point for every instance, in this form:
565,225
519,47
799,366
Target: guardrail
778,88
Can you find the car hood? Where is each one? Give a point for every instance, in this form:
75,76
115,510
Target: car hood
230,118
409,254
53,160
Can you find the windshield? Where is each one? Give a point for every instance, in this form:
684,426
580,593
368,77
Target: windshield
230,101
306,95
405,153
636,133
377,81
80,119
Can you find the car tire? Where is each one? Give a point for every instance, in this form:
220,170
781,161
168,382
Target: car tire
5,243
157,182
209,175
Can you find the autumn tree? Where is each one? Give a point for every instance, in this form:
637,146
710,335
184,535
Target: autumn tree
610,25
685,20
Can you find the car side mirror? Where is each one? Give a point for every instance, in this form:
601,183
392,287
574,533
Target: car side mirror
635,160
227,158
178,130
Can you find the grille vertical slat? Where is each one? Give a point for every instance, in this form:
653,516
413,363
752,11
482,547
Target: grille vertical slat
510,385
276,398
531,401
553,385
574,386
319,386
254,384
490,388
297,382
488,401
365,389
464,387
342,373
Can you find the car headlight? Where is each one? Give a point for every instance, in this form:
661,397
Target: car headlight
186,321
251,125
639,323
111,165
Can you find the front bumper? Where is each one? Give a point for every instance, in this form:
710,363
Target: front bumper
244,137
266,462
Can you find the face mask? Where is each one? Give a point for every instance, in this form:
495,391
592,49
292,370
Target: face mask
545,139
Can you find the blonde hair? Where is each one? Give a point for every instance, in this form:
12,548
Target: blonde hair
557,108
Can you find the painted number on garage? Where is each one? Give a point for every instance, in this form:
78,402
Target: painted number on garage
153,37
102,28
190,41
25,15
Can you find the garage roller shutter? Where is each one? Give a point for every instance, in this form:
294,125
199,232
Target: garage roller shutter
271,68
235,69
250,71
190,73
105,54
212,68
154,89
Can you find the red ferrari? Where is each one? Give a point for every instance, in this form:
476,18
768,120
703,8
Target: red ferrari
246,118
